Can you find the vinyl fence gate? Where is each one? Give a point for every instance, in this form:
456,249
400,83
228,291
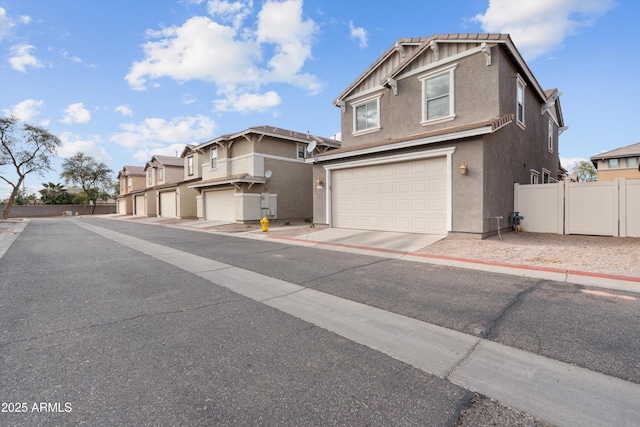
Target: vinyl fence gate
601,208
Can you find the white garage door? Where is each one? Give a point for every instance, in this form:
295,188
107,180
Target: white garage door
168,204
139,203
404,197
122,207
220,205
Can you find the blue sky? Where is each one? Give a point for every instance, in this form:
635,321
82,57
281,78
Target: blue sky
122,80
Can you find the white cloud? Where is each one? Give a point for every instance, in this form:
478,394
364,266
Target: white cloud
359,34
233,12
540,26
125,110
20,58
200,49
76,113
230,54
188,99
281,24
155,132
25,19
26,110
6,24
248,102
90,145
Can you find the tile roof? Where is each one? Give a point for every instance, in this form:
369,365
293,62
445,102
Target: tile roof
495,124
275,131
628,151
134,170
169,160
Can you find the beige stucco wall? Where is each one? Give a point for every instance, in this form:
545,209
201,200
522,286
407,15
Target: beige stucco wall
291,181
171,174
610,174
401,114
186,202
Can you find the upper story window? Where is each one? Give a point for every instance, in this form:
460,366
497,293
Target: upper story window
190,165
366,115
214,157
546,176
550,137
438,95
520,85
160,173
614,164
632,162
301,151
150,176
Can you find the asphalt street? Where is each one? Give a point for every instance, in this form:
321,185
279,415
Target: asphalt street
115,323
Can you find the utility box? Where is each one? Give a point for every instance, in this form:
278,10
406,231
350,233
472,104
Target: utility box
264,200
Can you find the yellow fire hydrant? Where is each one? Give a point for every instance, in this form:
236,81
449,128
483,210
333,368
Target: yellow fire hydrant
265,224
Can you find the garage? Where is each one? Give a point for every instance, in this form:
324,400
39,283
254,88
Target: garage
168,207
408,196
122,207
139,205
220,205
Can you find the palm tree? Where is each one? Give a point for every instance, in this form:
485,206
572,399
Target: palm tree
54,194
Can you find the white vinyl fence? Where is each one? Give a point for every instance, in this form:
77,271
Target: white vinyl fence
606,208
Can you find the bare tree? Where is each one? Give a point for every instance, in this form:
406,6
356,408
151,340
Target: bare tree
28,149
87,173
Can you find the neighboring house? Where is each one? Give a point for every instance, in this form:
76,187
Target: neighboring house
258,172
163,189
131,178
434,135
619,163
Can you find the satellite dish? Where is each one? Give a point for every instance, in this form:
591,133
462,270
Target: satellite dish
268,174
311,146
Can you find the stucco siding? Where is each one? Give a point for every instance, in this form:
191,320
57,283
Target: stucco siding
467,192
292,183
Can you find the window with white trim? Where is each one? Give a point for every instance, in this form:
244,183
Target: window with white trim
366,115
546,176
190,165
520,85
614,164
535,176
438,103
160,173
301,152
214,157
550,137
632,162
150,176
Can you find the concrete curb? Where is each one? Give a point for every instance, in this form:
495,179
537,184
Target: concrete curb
608,281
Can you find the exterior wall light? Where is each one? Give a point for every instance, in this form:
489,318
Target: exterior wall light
463,168
319,183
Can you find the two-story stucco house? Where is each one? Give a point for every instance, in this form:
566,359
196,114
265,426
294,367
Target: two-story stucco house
434,135
260,171
131,178
622,162
160,194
